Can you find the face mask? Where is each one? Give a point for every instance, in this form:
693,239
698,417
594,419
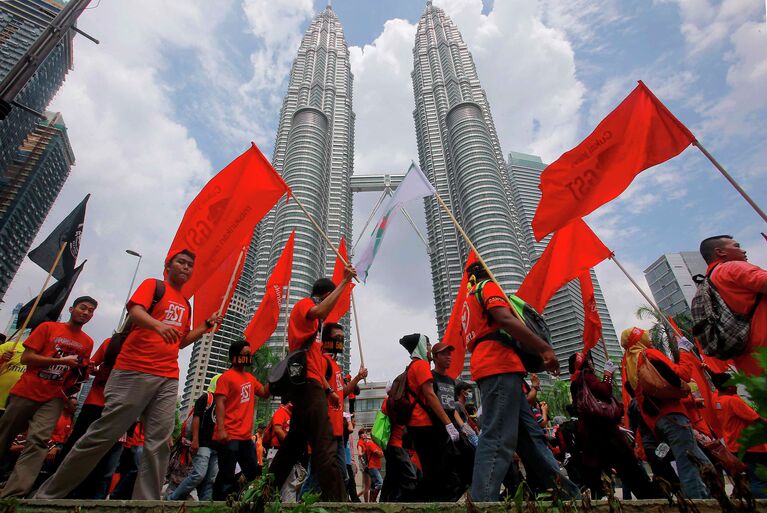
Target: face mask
469,396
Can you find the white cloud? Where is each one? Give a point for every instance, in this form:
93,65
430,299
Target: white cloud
706,24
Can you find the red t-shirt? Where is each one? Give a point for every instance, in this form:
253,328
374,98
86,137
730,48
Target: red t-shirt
490,357
280,418
96,393
739,283
397,430
735,416
336,414
300,328
239,390
419,373
145,350
54,340
664,406
374,454
63,428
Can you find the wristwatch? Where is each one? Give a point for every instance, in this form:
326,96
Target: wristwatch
209,324
328,391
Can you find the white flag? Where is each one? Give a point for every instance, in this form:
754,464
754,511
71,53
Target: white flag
414,186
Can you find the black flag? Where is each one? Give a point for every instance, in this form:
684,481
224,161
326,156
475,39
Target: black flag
52,302
69,232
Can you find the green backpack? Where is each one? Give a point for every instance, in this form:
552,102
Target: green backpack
534,322
381,431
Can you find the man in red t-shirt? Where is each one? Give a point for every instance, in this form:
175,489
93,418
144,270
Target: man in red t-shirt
508,425
429,427
143,382
309,424
374,456
743,288
56,355
235,403
332,346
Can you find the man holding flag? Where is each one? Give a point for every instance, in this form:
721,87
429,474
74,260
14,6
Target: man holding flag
144,381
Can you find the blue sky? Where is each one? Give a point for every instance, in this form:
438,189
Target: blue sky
177,89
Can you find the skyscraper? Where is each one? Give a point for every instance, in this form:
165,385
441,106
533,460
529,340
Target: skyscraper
459,152
33,180
21,22
314,153
671,283
564,312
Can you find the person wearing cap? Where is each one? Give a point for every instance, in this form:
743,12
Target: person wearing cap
667,418
508,425
430,428
56,355
143,382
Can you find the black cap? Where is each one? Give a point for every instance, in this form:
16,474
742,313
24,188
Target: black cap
410,342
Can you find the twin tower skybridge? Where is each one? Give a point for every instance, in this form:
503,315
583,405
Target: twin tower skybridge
386,184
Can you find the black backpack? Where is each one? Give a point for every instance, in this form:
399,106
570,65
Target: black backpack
532,361
721,332
290,372
401,401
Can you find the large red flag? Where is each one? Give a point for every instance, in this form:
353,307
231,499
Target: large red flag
454,332
265,319
572,251
640,133
338,275
207,299
592,323
225,212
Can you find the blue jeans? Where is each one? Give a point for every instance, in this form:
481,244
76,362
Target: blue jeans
508,425
229,455
675,430
312,483
204,471
758,485
376,481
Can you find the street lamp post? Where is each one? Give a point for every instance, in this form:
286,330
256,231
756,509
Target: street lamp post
130,289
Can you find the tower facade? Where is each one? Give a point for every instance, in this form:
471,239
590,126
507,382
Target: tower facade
671,283
459,152
314,153
33,180
564,312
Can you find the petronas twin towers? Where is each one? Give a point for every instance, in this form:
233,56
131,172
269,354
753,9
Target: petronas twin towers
458,149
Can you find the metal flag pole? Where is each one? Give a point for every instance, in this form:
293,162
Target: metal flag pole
321,231
732,181
357,326
645,296
474,249
386,192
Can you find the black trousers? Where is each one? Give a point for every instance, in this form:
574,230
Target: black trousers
437,454
309,424
89,414
229,454
401,481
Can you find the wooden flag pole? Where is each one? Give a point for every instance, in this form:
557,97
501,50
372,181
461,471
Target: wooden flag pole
645,296
357,326
39,296
231,283
471,245
732,181
285,334
321,231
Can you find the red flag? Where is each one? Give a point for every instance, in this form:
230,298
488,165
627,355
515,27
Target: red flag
344,302
207,299
265,319
225,212
454,331
640,133
572,250
592,323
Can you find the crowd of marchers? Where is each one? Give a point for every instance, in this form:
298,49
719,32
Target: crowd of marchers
435,439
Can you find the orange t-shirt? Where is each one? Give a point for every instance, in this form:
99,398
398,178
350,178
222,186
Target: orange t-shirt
336,415
374,454
300,328
397,430
664,406
419,373
489,357
280,418
54,340
239,389
63,428
145,350
736,415
739,283
96,393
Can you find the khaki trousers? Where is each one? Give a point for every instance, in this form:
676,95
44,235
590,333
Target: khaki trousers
129,395
39,420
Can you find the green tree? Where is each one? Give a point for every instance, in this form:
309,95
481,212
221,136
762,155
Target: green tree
557,396
661,334
263,360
